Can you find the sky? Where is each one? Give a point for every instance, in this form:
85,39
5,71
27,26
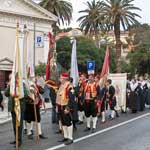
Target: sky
80,5
142,4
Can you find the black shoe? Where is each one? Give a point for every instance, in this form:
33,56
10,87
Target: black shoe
30,137
87,129
32,132
19,144
111,118
25,131
75,129
93,130
13,142
80,122
42,137
68,142
117,115
64,140
58,132
2,107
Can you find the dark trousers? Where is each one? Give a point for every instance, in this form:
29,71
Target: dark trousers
13,115
54,115
90,108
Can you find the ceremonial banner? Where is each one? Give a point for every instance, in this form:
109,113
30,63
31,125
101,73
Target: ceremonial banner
119,82
105,68
48,69
74,65
16,83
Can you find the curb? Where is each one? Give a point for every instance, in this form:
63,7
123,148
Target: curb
5,121
9,119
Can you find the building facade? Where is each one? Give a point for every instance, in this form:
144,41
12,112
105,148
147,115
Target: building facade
38,22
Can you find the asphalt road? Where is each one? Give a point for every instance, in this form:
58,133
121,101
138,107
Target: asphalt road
131,136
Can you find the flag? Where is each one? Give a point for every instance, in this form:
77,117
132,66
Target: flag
48,67
74,65
49,56
16,83
105,68
30,61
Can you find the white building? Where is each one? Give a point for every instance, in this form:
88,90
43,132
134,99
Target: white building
28,13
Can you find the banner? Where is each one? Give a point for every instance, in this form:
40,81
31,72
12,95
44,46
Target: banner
119,82
16,83
74,65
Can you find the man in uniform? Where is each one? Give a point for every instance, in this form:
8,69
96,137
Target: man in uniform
11,108
112,98
90,104
81,86
63,110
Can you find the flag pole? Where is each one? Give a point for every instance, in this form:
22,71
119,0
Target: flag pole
16,99
35,113
16,129
34,45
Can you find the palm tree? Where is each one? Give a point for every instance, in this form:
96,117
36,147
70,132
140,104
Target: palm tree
117,13
61,8
92,20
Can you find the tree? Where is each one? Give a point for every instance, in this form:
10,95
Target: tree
140,59
86,50
117,13
61,8
141,33
92,20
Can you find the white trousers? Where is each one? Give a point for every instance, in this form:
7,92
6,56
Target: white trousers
94,120
103,116
81,115
68,132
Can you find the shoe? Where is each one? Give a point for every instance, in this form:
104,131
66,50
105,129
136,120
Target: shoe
64,140
25,131
32,132
87,129
42,137
117,115
13,142
102,122
2,107
30,137
93,130
80,122
58,132
19,144
111,118
68,142
75,129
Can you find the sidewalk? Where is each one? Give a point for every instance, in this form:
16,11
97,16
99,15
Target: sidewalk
5,116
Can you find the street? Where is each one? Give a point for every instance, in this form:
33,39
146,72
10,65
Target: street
124,133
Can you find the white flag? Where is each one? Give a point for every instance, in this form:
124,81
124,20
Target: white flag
74,65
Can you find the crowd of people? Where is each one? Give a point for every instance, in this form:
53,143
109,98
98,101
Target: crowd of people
71,105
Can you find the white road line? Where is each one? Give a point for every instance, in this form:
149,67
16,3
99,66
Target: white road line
99,132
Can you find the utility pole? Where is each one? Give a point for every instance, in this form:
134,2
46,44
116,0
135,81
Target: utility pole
34,34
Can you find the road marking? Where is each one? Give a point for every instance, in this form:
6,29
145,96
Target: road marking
99,132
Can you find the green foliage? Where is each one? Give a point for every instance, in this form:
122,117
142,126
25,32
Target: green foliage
61,8
141,33
86,50
40,69
140,59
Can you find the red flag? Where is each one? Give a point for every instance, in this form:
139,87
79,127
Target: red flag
50,40
49,56
105,69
